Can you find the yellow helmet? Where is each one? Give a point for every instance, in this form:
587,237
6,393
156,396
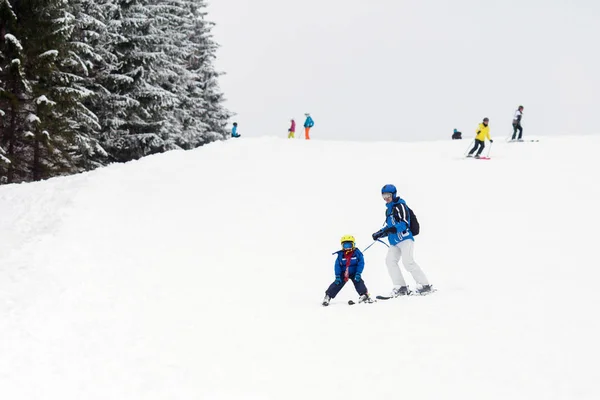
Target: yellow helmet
348,238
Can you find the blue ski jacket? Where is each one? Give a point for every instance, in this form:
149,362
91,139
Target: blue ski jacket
309,123
357,262
234,131
397,222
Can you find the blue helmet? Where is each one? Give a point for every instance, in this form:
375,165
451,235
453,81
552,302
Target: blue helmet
389,189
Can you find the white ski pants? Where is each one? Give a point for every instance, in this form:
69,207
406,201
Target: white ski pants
404,250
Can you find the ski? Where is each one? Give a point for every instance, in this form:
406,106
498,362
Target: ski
425,293
523,140
352,302
379,297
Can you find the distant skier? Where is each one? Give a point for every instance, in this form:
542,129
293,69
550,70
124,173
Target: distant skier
234,130
483,132
349,265
456,135
308,123
517,124
397,230
292,129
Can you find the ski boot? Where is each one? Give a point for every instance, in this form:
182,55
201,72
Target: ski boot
425,289
326,301
365,298
401,291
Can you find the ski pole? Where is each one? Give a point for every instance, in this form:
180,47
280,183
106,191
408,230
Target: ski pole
381,241
369,246
373,244
489,150
468,148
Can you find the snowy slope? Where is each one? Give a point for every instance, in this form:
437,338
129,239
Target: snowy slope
199,275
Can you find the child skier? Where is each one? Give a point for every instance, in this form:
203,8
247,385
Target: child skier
292,130
349,264
234,130
483,132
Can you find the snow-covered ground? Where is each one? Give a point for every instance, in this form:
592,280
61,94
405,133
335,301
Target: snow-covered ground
199,275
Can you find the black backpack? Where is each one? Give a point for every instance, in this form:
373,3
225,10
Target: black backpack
413,222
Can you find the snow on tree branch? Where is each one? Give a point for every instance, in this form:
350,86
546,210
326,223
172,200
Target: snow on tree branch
11,38
49,53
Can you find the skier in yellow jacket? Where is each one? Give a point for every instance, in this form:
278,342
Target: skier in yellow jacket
483,132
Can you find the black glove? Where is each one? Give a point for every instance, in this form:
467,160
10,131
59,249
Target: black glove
383,233
491,141
377,235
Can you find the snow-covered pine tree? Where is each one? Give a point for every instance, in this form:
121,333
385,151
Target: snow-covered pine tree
56,117
53,132
110,103
172,20
14,92
206,109
136,37
166,51
86,58
199,116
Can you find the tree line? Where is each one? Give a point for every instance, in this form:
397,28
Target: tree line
84,83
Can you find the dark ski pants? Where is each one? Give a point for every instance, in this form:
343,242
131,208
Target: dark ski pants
480,144
334,289
517,127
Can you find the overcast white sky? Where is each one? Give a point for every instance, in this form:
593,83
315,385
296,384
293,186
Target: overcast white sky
409,69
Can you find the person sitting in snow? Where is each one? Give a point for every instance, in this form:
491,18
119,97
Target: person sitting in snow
234,130
349,265
456,135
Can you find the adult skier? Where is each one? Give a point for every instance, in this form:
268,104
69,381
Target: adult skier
308,123
292,129
517,124
483,132
400,237
349,265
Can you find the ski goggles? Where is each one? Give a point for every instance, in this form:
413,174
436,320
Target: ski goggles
347,245
386,196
